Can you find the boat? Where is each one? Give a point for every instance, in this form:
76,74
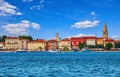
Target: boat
85,50
21,50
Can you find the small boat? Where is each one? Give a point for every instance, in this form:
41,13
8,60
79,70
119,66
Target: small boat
21,50
85,50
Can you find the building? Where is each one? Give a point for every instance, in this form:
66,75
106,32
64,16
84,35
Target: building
90,40
108,40
75,42
65,43
2,45
99,41
12,43
23,43
37,45
105,31
15,43
52,45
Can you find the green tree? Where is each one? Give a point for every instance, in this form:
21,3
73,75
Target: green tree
108,46
81,45
91,46
117,45
26,37
3,38
0,39
40,48
66,49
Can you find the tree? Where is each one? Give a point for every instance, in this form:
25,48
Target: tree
0,39
108,46
91,46
3,38
66,49
117,45
40,48
81,45
26,37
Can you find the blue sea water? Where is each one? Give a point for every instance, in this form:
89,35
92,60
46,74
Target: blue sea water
72,64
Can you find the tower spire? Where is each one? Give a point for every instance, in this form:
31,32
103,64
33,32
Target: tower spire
105,31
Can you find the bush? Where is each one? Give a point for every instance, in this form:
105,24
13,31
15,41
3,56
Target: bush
108,46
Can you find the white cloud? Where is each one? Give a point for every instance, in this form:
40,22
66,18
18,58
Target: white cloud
116,37
92,13
21,27
37,7
27,0
8,9
81,35
85,24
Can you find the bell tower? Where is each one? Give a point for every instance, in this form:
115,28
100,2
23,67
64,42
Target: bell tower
105,31
57,37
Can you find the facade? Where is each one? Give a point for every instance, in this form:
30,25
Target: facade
2,45
15,43
99,41
108,40
37,45
105,31
12,43
91,40
65,43
52,45
23,43
75,42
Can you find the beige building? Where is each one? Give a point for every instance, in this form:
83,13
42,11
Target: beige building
37,45
15,43
91,40
65,43
12,43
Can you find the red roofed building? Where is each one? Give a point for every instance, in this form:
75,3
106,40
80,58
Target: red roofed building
75,42
108,40
37,45
52,45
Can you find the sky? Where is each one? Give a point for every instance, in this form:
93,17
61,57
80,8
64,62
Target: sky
70,18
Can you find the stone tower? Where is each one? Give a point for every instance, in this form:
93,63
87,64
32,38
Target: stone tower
105,31
57,37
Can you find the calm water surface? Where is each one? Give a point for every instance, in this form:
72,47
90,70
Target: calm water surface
74,64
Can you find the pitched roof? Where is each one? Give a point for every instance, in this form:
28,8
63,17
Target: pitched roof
66,39
12,37
52,40
108,40
37,41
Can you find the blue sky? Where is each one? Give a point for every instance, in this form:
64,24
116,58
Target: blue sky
44,18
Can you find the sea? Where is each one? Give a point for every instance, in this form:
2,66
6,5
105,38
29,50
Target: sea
60,64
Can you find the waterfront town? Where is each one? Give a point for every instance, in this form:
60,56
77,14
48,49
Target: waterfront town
67,44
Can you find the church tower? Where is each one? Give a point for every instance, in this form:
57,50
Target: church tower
105,31
57,37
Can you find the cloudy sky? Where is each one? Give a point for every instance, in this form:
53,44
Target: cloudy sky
44,18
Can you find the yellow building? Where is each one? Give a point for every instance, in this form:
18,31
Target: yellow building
12,43
99,41
37,45
65,43
15,43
